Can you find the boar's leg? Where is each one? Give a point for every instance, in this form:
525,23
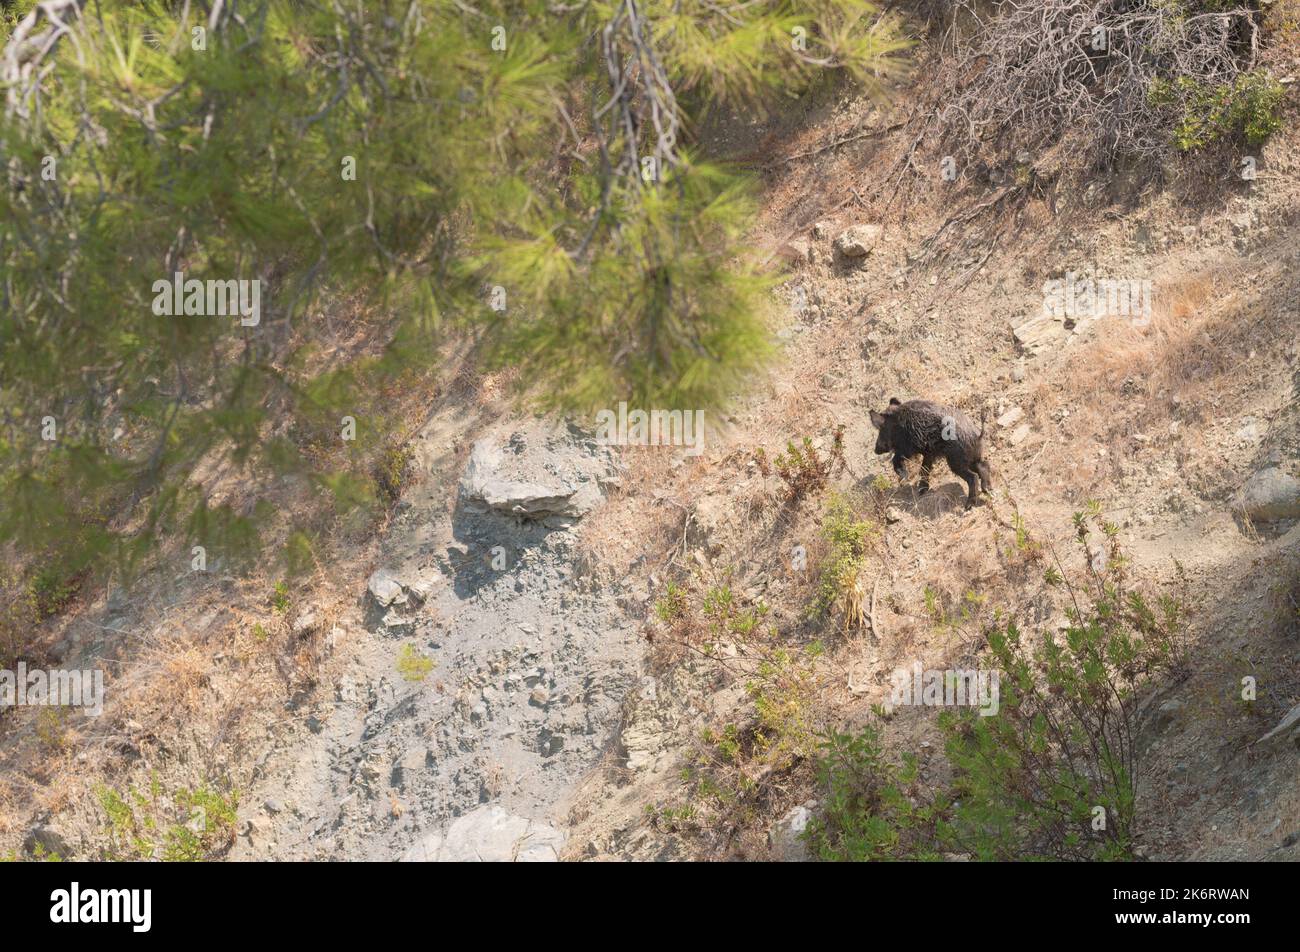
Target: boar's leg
972,483
900,467
927,463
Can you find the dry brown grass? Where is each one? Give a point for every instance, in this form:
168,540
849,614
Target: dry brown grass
645,517
1185,366
1174,355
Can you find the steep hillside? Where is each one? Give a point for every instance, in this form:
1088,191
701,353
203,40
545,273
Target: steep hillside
549,647
1161,421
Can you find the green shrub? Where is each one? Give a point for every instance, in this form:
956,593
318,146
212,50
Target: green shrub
672,605
390,472
870,810
1248,109
1052,773
280,597
50,591
801,467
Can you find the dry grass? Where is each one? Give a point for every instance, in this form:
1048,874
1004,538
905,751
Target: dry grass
1174,355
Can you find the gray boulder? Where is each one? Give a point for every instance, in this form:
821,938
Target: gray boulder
857,241
1289,725
47,840
386,589
535,474
786,836
1269,495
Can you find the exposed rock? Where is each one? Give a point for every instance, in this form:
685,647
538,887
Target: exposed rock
857,241
47,840
1289,725
1011,417
711,515
420,589
795,251
560,477
398,624
1166,714
785,836
1020,434
1040,333
306,622
649,726
490,835
1269,495
385,589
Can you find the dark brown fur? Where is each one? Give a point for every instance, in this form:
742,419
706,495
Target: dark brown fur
930,431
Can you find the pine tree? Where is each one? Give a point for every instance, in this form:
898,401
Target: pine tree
520,171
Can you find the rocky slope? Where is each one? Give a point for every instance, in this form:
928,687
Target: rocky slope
486,674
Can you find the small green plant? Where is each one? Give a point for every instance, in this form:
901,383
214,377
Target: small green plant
50,728
259,631
413,665
850,540
954,614
784,692
672,819
190,825
39,853
672,605
1025,543
280,598
391,471
802,468
50,591
727,619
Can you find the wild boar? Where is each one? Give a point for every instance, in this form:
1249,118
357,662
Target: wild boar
928,430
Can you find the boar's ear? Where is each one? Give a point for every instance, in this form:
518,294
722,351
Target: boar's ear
877,419
895,402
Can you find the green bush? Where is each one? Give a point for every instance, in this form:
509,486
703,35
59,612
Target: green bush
804,470
50,591
870,810
390,473
1050,775
1247,109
